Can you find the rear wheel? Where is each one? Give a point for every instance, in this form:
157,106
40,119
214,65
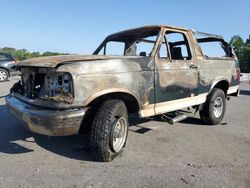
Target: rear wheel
109,130
4,75
214,108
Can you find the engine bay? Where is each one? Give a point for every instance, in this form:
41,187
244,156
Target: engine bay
45,84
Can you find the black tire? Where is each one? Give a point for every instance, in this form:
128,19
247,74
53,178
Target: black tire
4,75
103,130
210,113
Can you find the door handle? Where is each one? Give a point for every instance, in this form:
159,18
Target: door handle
193,66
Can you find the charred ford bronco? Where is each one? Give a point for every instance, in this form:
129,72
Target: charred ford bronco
150,70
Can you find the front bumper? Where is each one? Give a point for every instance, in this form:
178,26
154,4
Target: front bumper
46,121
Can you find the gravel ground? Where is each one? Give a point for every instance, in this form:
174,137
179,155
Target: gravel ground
186,154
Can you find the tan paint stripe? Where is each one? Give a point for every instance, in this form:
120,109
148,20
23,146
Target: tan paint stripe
164,107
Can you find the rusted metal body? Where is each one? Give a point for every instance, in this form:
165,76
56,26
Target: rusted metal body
63,88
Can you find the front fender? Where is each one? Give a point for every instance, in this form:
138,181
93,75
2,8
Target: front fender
108,91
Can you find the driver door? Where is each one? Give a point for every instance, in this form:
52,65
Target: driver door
176,76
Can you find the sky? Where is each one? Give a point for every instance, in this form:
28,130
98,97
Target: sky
78,26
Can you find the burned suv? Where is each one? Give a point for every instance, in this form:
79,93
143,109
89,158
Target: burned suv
150,70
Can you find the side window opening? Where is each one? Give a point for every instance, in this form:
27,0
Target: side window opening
213,47
163,52
179,47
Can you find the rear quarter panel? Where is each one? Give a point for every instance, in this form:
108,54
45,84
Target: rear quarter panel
211,71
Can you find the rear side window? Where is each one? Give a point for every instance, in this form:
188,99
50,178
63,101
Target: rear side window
3,57
213,47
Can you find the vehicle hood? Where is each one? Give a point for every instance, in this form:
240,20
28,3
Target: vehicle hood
55,61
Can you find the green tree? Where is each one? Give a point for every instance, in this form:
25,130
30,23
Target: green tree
8,50
22,54
246,58
35,54
52,53
242,50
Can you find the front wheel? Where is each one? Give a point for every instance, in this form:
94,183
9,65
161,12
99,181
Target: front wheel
214,108
109,130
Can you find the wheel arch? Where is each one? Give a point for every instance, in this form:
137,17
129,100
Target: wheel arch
130,100
222,84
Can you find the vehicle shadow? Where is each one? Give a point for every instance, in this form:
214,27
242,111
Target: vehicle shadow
244,92
75,147
11,133
193,121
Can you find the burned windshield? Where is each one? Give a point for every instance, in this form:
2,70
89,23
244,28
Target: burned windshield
130,43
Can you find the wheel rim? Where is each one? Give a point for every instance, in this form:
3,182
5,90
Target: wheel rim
218,107
119,134
3,75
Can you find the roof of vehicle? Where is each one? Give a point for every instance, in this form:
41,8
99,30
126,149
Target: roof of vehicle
158,27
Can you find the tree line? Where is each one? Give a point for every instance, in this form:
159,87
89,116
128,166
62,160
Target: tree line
22,54
242,50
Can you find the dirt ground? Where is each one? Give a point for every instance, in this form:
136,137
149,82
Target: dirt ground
186,154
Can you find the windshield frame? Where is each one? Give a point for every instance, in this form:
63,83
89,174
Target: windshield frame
121,37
